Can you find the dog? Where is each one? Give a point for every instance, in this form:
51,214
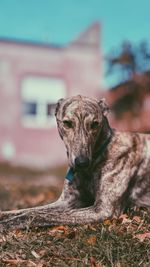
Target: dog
108,170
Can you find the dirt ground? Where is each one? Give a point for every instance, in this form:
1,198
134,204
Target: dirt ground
121,242
21,191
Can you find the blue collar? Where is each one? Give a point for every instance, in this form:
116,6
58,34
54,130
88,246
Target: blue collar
69,175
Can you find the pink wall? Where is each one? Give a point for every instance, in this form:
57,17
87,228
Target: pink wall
78,65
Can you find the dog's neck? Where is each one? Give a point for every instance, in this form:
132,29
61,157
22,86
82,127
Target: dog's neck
103,140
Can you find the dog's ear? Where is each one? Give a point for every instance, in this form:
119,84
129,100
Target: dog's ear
104,107
57,112
58,105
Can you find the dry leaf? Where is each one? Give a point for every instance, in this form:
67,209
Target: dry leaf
18,233
59,229
142,237
93,263
15,262
124,219
107,222
92,240
137,219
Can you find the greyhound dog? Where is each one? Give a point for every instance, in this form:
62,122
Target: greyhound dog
108,170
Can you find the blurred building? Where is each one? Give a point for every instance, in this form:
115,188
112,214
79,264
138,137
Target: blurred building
32,78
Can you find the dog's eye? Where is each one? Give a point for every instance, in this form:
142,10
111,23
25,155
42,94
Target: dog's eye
68,124
94,125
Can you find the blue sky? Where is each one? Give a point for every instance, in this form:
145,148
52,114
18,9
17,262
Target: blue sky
60,21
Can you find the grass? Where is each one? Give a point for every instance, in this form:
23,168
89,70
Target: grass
123,242
113,243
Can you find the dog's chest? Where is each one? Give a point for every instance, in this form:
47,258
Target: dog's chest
87,187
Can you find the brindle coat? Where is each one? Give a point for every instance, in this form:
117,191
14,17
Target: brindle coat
111,170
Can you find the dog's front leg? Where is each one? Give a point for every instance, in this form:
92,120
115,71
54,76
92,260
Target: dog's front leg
66,201
47,217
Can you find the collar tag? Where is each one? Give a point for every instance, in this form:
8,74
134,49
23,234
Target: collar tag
69,175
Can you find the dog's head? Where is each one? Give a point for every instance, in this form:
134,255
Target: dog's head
80,122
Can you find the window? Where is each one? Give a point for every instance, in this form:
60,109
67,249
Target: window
29,108
39,97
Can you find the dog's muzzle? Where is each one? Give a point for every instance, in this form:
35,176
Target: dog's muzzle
82,162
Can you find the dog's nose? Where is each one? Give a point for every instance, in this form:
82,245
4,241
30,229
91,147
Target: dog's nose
82,162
